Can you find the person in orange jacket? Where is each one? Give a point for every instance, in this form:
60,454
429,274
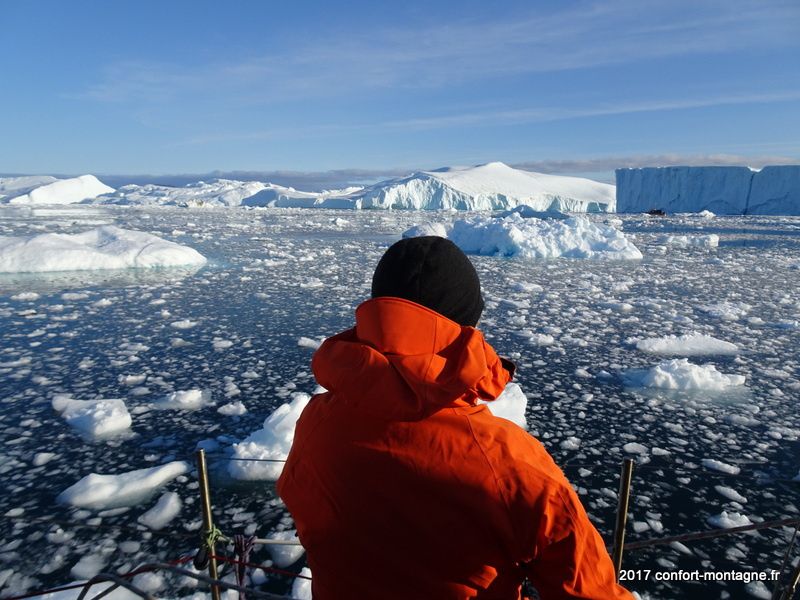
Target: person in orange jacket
403,486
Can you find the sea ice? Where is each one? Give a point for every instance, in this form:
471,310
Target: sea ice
105,247
511,405
513,235
718,465
301,588
185,400
691,344
270,443
93,418
285,555
64,191
680,374
165,510
100,492
726,520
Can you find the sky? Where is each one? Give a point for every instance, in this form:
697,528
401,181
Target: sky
366,89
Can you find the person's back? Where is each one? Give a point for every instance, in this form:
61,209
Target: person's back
402,486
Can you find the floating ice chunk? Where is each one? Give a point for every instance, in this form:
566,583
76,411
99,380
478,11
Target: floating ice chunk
706,214
716,465
42,458
571,443
185,400
64,191
680,374
576,237
88,566
726,520
232,409
692,344
183,324
100,492
426,229
95,419
704,241
730,494
165,510
305,342
511,405
105,247
727,311
271,443
25,297
284,555
301,588
635,448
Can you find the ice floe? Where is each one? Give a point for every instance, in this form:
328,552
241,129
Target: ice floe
106,247
94,419
680,374
514,235
690,344
163,513
511,405
270,443
185,400
99,492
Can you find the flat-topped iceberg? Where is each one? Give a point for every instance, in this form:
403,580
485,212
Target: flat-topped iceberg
691,344
106,247
513,235
680,374
773,190
492,186
218,192
61,191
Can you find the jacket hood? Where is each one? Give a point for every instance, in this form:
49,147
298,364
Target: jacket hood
403,361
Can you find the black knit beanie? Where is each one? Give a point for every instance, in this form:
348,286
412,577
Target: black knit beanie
434,272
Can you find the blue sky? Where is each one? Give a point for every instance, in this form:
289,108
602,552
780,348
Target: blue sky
377,87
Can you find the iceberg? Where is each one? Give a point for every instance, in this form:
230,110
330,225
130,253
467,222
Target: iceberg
95,419
680,374
532,238
774,190
60,191
218,192
105,247
493,186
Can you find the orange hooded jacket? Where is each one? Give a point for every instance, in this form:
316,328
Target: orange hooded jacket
402,487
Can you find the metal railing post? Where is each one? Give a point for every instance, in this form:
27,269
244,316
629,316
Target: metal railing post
208,519
623,501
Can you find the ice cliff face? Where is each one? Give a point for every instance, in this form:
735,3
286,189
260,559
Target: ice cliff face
492,186
721,190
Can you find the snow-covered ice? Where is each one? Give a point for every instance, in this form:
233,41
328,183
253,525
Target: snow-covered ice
727,520
271,443
680,374
690,344
100,492
106,247
185,400
163,512
514,235
62,191
95,419
285,555
218,192
511,405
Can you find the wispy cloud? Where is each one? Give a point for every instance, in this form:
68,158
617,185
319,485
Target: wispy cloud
440,55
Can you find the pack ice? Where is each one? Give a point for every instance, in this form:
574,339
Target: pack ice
106,247
100,492
773,190
514,235
49,190
93,418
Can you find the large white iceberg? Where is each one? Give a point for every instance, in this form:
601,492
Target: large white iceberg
773,190
100,492
11,187
492,186
62,191
105,247
278,196
218,192
513,235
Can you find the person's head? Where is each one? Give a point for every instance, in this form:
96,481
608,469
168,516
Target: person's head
434,272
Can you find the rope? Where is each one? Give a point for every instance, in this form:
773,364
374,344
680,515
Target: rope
75,586
242,546
703,535
262,567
